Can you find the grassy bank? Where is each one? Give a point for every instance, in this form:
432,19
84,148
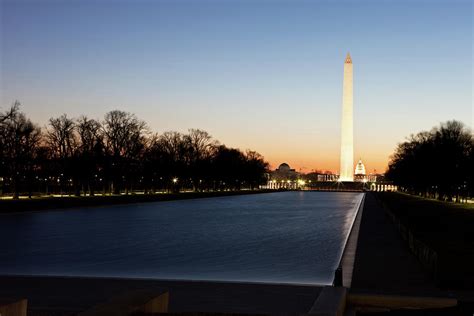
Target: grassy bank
443,225
49,203
440,230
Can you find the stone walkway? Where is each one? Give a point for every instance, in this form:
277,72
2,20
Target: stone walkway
77,294
383,263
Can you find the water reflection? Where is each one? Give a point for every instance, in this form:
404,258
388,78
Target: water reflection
294,237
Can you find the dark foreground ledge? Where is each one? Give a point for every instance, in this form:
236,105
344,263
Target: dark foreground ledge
75,294
48,203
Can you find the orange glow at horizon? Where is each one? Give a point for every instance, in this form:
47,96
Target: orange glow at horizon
375,159
316,151
305,165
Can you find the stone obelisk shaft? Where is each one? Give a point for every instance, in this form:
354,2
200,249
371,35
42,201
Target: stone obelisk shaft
346,172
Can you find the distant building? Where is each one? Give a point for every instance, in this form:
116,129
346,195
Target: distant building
283,178
374,177
379,183
327,177
359,173
360,169
318,176
284,172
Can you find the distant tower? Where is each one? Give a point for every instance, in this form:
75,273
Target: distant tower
346,172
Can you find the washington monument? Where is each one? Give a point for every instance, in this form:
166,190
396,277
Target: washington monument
346,172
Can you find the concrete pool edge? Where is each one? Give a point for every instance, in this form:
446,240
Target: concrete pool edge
343,273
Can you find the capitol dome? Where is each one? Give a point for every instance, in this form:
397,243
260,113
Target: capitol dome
284,167
360,169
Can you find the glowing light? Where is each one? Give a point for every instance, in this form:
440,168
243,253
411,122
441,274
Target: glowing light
175,180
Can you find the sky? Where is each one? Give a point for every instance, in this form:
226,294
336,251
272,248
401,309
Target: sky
262,75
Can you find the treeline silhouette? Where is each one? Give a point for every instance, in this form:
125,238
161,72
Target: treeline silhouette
116,155
437,164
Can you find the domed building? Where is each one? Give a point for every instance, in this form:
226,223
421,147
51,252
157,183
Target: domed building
360,169
284,167
283,177
360,174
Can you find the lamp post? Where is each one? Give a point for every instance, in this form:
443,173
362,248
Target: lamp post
175,186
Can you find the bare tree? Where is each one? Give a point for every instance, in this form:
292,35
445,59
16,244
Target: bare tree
199,149
62,142
124,139
90,152
255,168
116,154
61,136
19,140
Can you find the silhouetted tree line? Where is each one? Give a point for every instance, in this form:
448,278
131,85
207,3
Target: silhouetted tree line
437,164
116,155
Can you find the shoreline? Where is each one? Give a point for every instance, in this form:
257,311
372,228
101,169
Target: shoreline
165,280
55,203
68,202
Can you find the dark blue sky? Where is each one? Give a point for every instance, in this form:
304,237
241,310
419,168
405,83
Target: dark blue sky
265,75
